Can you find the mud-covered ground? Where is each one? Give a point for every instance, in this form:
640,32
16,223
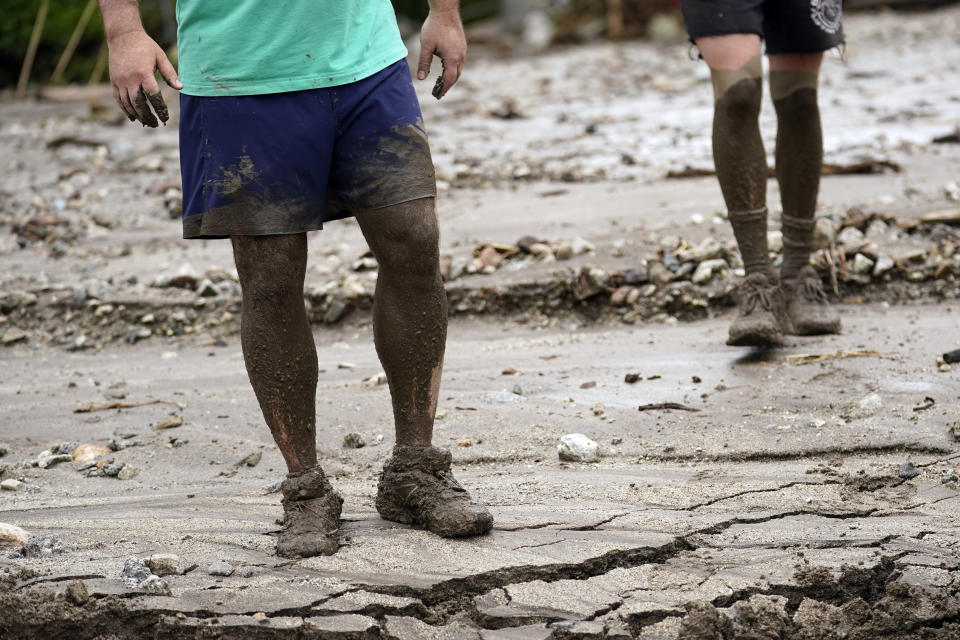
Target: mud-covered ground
809,492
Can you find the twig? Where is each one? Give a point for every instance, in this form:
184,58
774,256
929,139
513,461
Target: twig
104,406
32,50
813,358
665,406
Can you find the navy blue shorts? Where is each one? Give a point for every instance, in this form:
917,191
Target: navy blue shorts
288,162
787,26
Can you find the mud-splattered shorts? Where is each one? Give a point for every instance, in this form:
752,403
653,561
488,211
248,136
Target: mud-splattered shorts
287,162
787,26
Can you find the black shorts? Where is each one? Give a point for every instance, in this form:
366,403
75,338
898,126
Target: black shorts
787,26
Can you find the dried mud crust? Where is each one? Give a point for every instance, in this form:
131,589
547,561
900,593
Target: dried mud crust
417,487
762,318
807,306
311,515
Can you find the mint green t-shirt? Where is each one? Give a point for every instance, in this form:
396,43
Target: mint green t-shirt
249,47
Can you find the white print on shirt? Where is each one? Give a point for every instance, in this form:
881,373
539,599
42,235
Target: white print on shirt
826,14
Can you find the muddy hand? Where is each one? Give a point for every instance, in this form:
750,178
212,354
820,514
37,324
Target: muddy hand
134,57
442,35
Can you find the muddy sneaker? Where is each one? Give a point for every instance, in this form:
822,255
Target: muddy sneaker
417,487
311,515
762,320
807,306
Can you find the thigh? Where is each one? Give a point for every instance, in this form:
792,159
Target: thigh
381,156
802,26
730,52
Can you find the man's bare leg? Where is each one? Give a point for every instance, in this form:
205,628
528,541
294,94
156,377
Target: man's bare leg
410,330
741,163
281,360
799,154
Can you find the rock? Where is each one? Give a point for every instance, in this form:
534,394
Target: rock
112,469
155,586
850,237
589,282
164,564
576,447
127,472
169,422
90,452
10,484
619,297
335,311
376,380
709,249
457,267
581,246
517,389
659,274
877,229
501,397
12,536
206,289
706,269
134,572
251,460
220,568
354,440
869,405
908,470
106,219
490,257
77,593
48,458
630,378
541,251
12,336
564,251
43,545
65,448
884,263
861,264
949,478
526,242
775,241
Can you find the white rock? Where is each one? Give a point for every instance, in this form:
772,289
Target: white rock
861,264
877,229
581,246
869,405
164,564
155,586
12,536
10,484
884,264
706,270
850,237
576,447
775,241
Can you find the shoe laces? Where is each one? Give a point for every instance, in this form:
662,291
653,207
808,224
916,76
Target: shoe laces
812,289
755,293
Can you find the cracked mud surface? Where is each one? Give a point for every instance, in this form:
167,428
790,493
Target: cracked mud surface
776,511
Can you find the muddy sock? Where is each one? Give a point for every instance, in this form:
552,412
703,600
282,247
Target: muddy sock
740,159
799,157
277,343
409,312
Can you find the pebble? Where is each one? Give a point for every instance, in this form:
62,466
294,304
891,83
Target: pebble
517,389
12,535
884,263
869,405
631,378
10,484
164,564
134,571
706,270
13,335
43,545
90,452
127,472
169,422
908,470
850,237
862,264
77,593
949,477
220,568
576,447
354,440
155,586
501,397
252,460
581,246
48,458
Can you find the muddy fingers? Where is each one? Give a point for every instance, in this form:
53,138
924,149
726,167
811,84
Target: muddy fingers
156,101
144,113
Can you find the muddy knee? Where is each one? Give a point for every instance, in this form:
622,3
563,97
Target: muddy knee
405,239
271,268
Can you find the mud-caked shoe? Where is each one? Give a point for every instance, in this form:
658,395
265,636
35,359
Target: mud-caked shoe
807,306
761,320
311,515
417,487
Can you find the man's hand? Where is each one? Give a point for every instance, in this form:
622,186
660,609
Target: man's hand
133,58
442,35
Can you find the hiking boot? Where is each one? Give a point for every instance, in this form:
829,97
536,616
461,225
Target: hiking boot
311,515
807,306
762,320
417,487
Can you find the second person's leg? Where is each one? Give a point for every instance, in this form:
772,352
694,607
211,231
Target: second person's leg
740,160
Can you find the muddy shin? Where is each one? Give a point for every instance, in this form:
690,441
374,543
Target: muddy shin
799,156
278,346
740,159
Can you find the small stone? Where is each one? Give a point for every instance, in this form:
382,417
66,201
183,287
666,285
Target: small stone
501,397
10,484
458,265
509,371
12,535
490,257
581,246
590,384
616,441
169,422
48,459
77,593
13,335
354,440
869,405
877,229
576,447
631,378
155,586
945,368
103,310
112,469
206,289
251,460
127,472
220,568
334,312
164,564
134,571
861,264
850,237
619,297
43,545
949,478
884,263
260,615
707,269
775,241
908,470
516,389
89,452
465,443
